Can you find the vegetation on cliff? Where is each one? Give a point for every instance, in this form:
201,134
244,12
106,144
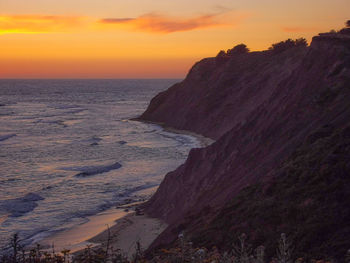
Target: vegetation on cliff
287,44
308,199
281,119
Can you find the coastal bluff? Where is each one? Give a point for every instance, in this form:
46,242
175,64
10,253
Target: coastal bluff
281,159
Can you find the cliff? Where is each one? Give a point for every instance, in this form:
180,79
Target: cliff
280,162
219,93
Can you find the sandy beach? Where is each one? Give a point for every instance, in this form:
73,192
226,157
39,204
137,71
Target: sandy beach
129,230
76,238
126,228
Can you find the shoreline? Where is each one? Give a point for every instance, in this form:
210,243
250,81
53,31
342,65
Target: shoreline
128,231
77,237
204,141
121,229
133,228
124,226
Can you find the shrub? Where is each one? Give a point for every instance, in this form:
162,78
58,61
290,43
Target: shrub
287,44
300,42
239,49
242,252
347,23
181,251
346,30
284,250
222,53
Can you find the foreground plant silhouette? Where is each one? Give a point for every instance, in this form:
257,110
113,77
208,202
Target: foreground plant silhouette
182,252
284,250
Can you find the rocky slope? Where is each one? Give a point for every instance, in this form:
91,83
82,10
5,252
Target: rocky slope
281,121
221,92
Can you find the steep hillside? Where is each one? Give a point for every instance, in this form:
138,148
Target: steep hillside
281,122
221,92
308,199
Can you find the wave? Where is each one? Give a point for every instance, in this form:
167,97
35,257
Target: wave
98,170
20,206
64,107
7,136
92,170
94,140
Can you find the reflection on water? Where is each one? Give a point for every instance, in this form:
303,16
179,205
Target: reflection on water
52,130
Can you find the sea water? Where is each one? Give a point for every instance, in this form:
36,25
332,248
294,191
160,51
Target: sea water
68,150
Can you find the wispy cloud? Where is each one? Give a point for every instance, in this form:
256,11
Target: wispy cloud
116,20
27,24
156,23
298,29
151,22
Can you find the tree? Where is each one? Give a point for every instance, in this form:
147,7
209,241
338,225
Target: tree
239,49
282,46
347,24
300,42
222,53
287,44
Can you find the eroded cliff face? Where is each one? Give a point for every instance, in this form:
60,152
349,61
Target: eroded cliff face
261,107
220,93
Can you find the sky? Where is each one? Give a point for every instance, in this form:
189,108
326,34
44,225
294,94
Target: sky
147,38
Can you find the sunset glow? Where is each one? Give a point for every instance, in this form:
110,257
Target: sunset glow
145,39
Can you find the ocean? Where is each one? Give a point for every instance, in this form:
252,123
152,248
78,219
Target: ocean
68,150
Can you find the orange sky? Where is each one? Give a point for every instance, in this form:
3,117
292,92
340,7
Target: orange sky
144,38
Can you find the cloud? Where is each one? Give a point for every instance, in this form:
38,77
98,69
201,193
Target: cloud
29,24
155,23
222,9
151,22
298,29
116,20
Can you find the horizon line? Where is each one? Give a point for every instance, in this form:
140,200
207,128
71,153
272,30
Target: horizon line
89,78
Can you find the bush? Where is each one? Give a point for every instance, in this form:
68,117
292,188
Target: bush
300,42
239,49
347,23
221,54
287,44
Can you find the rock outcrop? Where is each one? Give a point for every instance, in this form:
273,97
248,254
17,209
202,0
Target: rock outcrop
280,121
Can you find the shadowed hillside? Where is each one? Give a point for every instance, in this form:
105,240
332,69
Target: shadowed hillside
280,162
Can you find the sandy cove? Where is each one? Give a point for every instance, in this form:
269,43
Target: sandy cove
126,229
133,228
129,230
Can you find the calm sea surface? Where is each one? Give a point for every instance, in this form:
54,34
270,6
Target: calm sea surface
68,150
